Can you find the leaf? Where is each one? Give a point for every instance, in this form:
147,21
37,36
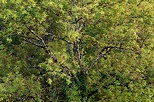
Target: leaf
49,81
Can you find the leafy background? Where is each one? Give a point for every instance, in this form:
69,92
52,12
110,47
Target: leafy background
76,50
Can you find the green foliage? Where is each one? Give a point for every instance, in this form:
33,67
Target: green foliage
76,50
17,88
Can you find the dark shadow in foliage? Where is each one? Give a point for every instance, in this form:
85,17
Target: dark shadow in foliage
2,26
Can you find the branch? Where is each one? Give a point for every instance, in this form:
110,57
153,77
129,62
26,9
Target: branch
45,47
107,49
37,36
117,48
77,20
81,26
95,60
79,57
26,37
30,41
122,23
47,50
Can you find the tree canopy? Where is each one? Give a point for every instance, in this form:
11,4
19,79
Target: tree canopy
76,50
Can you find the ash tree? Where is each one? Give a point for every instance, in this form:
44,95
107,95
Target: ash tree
76,50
